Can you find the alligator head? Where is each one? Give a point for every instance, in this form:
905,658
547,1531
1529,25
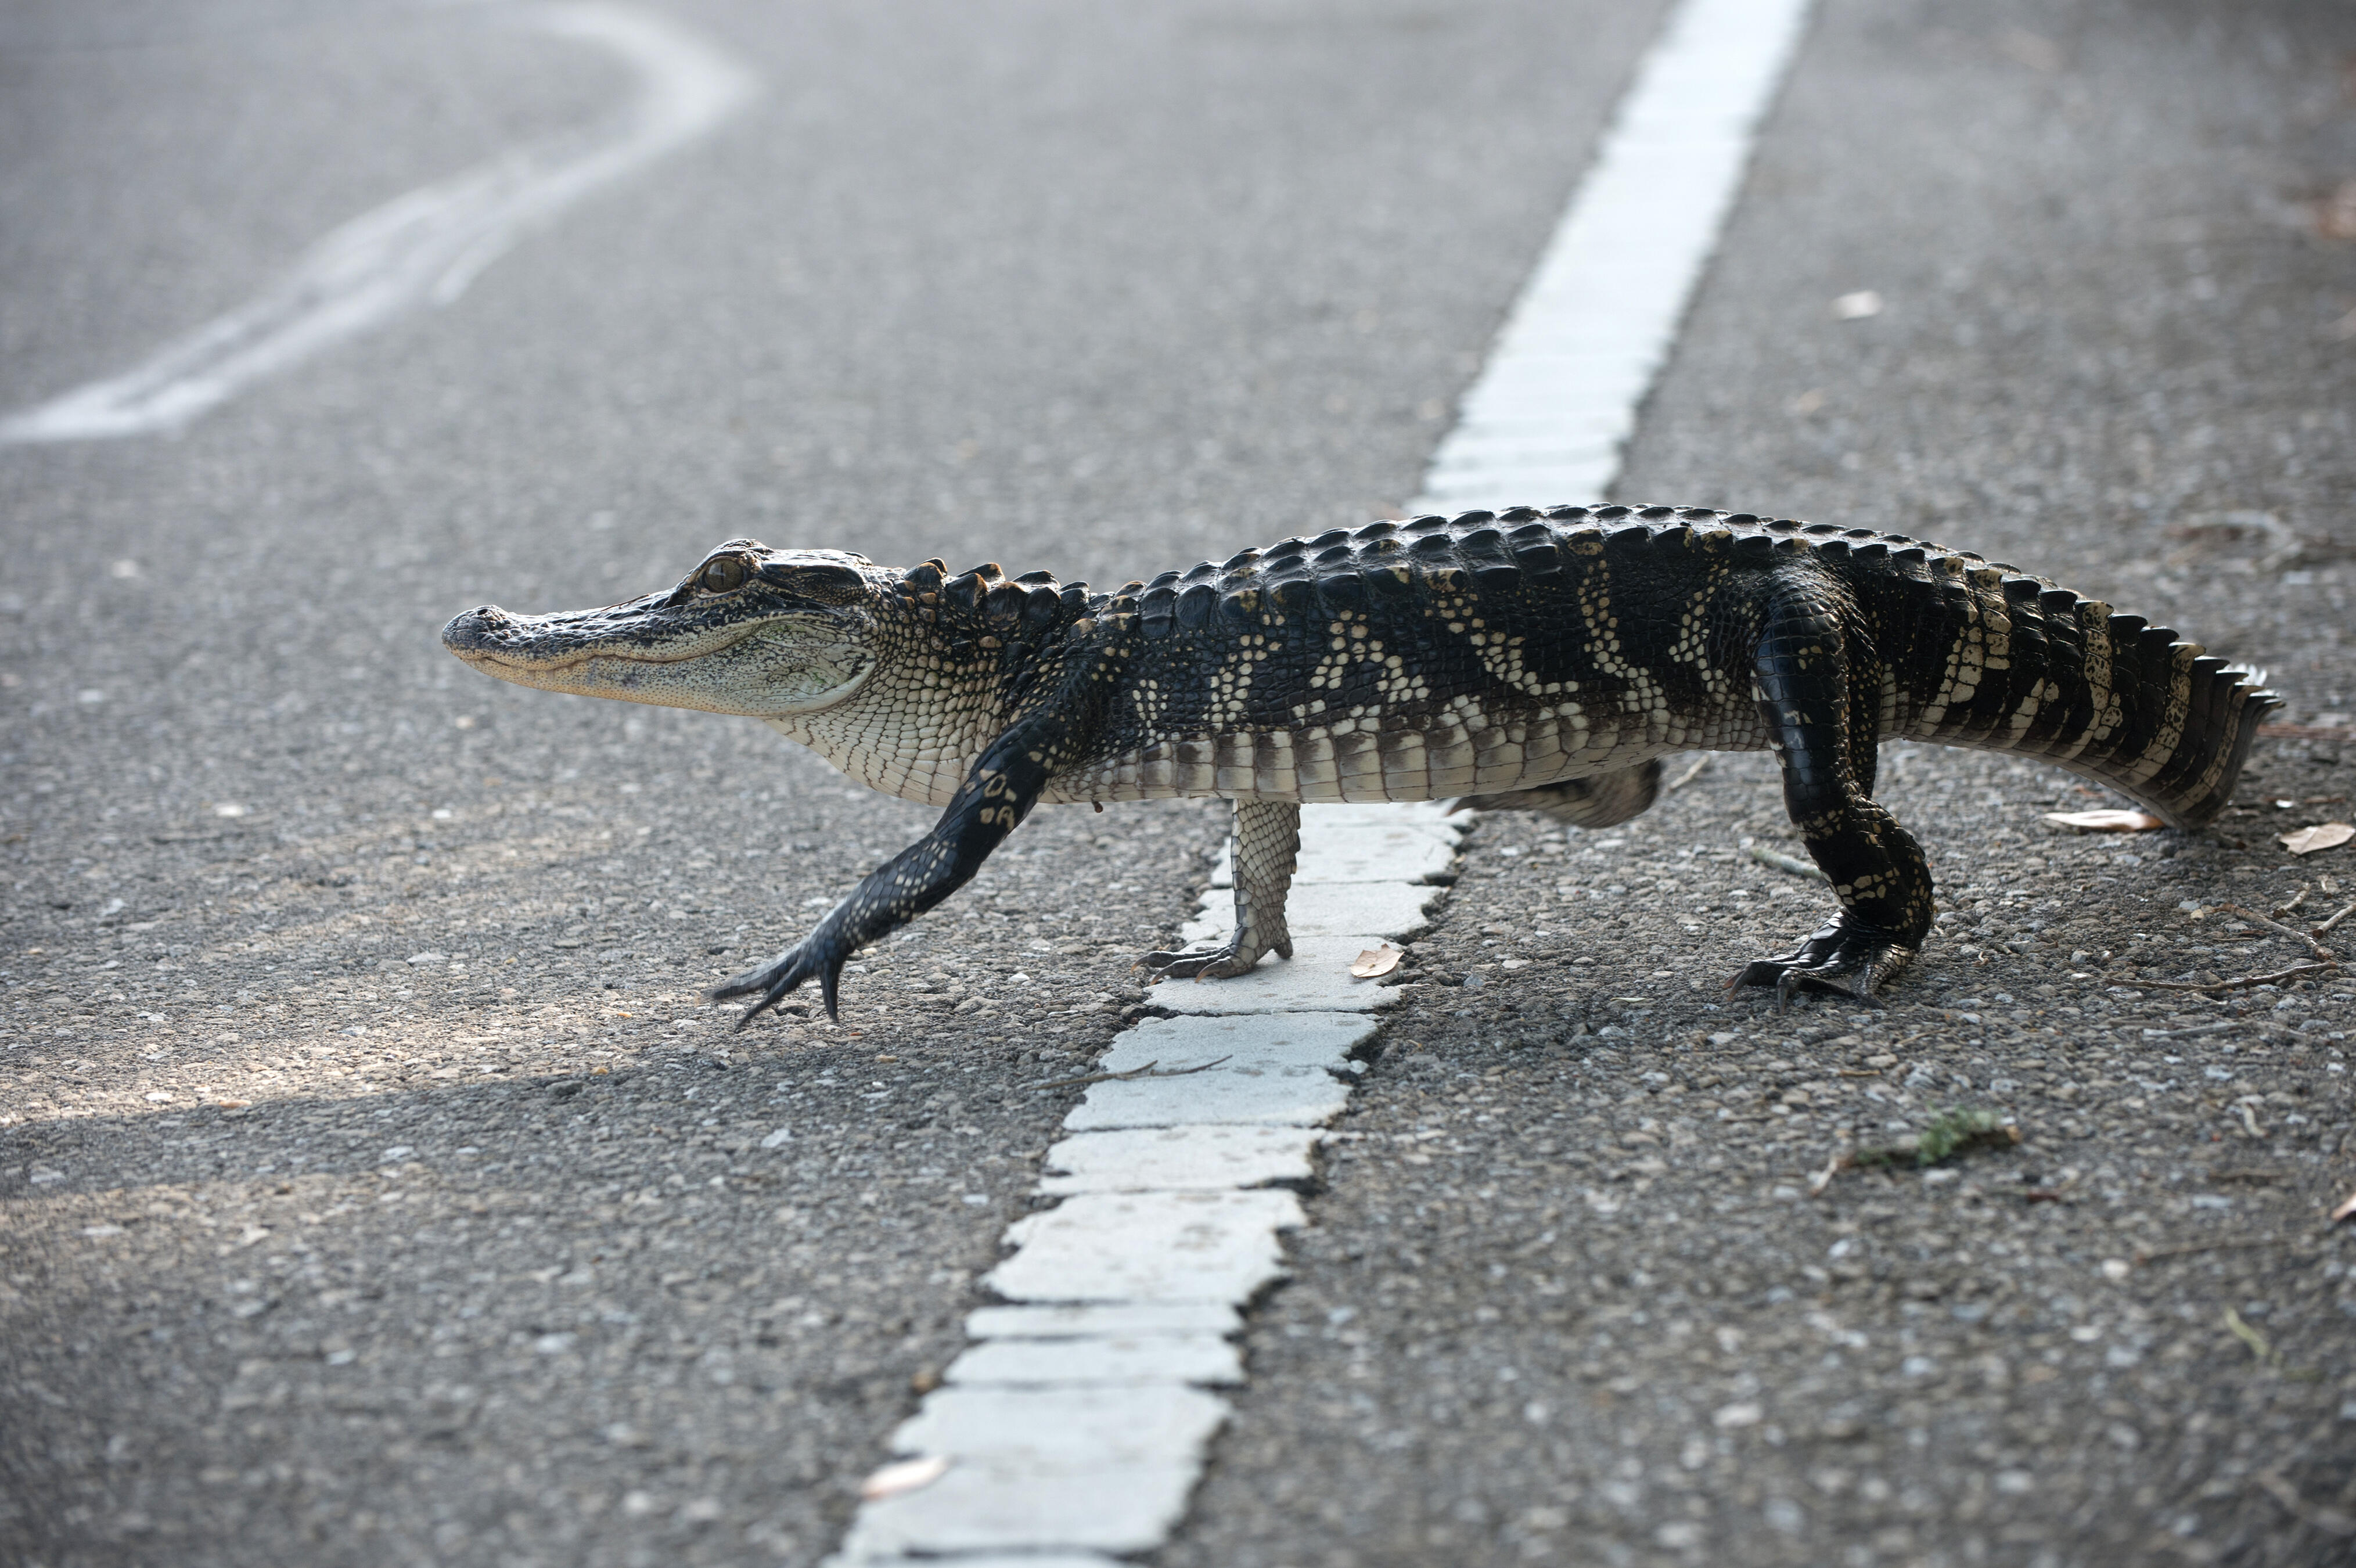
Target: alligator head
751,630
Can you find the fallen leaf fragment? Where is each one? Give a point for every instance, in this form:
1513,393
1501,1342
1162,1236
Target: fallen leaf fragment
2335,215
2321,836
2346,1209
2257,1342
1376,962
2035,50
2106,822
1955,1131
904,1475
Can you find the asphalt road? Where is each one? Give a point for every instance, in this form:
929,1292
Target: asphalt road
375,1189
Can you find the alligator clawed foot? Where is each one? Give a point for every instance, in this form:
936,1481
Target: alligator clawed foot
810,958
1843,958
1213,963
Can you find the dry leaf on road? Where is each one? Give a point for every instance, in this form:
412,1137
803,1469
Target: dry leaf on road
904,1475
2323,835
2335,215
1376,962
2106,822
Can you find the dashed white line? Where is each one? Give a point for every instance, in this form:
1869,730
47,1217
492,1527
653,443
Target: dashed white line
1552,409
1073,1432
417,250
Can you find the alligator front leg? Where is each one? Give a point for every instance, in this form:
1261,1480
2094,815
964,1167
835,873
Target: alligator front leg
995,798
1268,847
1824,739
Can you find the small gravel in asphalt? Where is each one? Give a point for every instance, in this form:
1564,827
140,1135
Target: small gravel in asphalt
1691,1322
412,1141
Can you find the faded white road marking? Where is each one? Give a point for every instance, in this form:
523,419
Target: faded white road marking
1077,1422
1076,1428
418,250
1551,412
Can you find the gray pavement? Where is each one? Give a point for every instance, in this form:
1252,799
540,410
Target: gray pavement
496,1260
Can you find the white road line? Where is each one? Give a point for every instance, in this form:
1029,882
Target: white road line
1077,1423
421,248
1075,1429
1547,419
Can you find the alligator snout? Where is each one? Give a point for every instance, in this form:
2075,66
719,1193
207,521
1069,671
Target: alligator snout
485,630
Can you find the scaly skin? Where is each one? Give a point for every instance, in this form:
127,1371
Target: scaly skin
1526,660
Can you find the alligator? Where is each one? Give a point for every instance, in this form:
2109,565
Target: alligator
1526,659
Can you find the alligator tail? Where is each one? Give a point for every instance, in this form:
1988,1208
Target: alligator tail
2035,669
2211,709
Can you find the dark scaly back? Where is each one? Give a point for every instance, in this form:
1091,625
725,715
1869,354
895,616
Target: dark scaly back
1389,626
1952,648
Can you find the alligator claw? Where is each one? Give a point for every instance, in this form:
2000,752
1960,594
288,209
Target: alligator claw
1213,963
1183,965
1843,957
811,957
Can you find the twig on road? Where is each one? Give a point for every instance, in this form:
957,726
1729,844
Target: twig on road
1776,858
2156,1253
2329,926
2296,972
1145,1071
2219,1027
2293,933
1690,774
2329,1520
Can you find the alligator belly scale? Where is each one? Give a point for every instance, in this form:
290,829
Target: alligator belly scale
1541,660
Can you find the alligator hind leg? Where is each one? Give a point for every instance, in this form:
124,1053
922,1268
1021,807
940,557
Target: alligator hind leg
1268,847
1601,800
1822,730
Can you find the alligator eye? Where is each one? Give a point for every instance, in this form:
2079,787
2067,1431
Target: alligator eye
723,575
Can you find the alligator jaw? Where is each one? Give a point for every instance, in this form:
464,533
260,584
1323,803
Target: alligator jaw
650,652
550,651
